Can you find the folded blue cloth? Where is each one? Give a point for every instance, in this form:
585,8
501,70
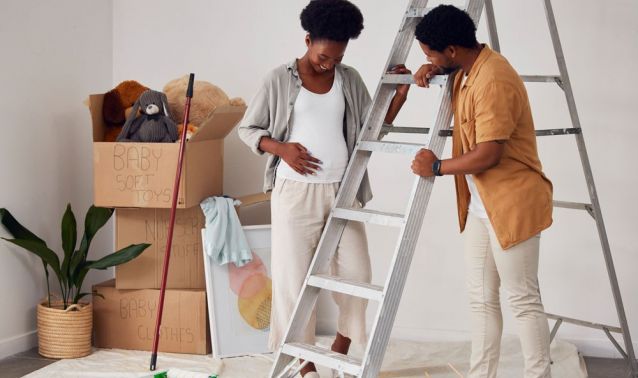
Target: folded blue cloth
225,240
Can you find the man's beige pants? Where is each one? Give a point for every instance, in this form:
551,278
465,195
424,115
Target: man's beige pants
299,212
487,266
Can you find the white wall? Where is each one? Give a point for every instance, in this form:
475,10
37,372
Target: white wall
53,55
234,44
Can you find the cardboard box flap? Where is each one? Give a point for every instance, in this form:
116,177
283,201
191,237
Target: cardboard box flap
253,199
219,124
95,107
107,283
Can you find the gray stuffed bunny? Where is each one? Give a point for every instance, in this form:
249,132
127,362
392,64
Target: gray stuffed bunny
154,125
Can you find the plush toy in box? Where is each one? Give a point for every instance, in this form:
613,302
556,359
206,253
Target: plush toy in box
117,106
153,124
206,98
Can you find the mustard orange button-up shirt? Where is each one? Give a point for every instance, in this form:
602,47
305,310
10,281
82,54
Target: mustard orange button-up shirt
492,105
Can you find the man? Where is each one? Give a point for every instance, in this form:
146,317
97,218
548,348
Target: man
504,199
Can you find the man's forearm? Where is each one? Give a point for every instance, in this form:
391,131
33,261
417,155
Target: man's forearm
478,160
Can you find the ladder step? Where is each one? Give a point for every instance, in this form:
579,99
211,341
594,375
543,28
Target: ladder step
409,79
390,147
539,133
448,133
542,79
387,128
573,205
369,216
552,132
324,357
442,79
344,286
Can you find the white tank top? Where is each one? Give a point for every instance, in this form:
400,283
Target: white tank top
317,124
476,207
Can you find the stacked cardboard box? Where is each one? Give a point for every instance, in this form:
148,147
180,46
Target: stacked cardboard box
137,179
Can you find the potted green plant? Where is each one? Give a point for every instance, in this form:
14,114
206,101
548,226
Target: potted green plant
65,326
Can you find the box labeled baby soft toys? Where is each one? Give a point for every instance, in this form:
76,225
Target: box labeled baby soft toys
142,174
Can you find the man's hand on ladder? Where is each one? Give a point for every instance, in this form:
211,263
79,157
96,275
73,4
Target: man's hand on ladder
425,73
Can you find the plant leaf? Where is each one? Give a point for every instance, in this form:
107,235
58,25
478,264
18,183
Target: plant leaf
122,256
69,233
69,239
16,229
40,249
96,217
116,258
81,271
76,261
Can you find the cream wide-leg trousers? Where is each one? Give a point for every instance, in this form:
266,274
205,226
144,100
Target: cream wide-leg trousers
299,212
487,266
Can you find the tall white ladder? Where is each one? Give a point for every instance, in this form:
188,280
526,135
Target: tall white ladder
409,224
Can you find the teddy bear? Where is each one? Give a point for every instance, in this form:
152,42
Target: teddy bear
116,106
206,98
153,124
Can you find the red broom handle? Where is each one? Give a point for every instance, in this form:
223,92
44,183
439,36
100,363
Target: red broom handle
169,241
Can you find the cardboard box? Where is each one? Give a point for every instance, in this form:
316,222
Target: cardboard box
143,174
186,268
126,319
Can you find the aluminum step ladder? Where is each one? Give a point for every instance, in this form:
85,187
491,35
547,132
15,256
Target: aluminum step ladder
409,224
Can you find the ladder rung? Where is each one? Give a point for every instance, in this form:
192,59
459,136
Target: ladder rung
585,323
323,357
344,286
369,216
552,132
541,79
387,128
390,147
573,205
448,133
409,79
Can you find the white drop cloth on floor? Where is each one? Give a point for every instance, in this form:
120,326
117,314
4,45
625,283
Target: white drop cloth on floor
402,359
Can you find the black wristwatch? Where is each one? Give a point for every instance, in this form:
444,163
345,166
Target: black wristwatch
436,168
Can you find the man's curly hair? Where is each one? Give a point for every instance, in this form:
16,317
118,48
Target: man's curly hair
444,26
334,20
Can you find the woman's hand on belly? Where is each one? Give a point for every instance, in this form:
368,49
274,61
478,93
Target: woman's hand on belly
298,158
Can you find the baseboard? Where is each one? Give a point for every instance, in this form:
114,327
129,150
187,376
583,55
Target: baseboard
593,347
17,344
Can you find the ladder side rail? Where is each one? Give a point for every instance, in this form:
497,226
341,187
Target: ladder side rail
600,225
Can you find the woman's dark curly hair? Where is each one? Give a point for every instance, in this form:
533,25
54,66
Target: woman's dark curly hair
444,26
334,20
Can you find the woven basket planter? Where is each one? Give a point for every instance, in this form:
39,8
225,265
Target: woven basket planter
65,333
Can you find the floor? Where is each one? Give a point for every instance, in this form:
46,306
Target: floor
23,363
